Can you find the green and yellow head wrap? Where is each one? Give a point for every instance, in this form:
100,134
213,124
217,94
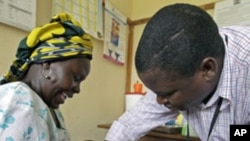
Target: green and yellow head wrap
60,39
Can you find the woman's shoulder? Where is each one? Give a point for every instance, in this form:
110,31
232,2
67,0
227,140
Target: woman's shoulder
15,89
19,94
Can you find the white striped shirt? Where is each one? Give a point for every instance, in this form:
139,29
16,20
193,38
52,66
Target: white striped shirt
233,87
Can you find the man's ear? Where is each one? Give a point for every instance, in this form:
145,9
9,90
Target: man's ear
209,67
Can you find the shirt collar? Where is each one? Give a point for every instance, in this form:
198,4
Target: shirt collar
223,84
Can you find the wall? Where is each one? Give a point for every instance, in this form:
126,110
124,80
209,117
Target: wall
102,95
147,9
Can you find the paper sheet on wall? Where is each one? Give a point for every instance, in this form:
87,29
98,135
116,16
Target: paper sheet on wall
115,42
18,13
88,12
232,12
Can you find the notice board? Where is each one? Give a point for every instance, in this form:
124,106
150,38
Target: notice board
232,12
18,13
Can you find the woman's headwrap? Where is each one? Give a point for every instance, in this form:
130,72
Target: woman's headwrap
60,39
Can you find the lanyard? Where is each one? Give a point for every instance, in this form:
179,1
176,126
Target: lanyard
216,113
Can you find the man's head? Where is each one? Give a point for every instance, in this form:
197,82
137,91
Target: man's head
180,43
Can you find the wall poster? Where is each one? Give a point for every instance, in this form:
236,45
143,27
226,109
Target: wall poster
115,41
88,12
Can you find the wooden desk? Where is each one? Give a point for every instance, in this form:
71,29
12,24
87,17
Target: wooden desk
155,135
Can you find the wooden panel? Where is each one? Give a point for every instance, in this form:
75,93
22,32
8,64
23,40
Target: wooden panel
148,138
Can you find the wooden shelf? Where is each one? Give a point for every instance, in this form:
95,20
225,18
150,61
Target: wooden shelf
157,135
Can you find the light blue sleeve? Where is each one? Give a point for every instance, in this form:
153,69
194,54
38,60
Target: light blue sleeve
19,121
25,117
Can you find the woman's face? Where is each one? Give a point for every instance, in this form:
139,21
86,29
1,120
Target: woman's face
65,79
180,93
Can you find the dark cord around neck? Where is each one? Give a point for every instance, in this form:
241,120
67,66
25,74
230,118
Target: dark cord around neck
216,113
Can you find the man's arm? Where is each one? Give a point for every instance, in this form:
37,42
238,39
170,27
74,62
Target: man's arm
143,117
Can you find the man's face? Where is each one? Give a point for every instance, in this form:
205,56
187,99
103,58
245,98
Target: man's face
179,93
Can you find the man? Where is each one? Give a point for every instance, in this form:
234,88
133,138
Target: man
193,68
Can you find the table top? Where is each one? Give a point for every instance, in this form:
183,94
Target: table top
157,132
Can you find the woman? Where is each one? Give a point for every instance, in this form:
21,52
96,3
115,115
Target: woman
51,63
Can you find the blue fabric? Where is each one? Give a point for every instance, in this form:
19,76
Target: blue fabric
25,117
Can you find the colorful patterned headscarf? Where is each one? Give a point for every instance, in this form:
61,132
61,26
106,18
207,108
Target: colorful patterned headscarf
60,39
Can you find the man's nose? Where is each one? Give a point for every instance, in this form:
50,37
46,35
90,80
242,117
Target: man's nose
162,100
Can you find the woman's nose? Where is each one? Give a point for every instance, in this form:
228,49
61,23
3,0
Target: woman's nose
162,100
76,88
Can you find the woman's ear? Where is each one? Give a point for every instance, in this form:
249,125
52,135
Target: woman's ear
209,67
46,65
46,70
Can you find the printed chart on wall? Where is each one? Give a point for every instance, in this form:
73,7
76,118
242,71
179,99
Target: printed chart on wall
88,12
115,42
232,12
18,13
